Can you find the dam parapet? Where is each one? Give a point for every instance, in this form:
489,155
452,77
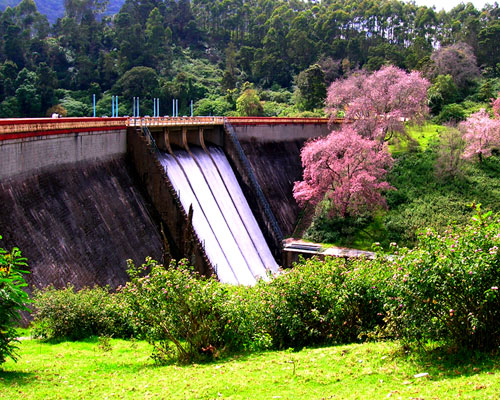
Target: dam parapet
30,146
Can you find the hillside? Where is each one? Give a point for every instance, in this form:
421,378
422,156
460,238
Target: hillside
54,9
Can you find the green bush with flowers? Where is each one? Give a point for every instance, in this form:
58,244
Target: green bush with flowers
185,316
13,299
446,288
317,302
75,315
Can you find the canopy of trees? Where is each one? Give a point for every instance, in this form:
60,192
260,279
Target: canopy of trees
203,48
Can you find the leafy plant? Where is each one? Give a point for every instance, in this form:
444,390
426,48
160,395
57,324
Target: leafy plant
446,289
185,316
330,301
12,299
69,314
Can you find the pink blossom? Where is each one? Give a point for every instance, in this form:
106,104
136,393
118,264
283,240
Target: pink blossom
381,103
346,168
481,135
495,104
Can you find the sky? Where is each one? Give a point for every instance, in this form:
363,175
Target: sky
449,4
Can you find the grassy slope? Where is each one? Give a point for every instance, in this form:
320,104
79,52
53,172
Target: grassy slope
81,370
421,199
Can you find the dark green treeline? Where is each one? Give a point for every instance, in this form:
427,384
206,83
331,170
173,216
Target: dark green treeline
191,50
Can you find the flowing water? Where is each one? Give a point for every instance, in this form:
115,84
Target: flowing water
221,215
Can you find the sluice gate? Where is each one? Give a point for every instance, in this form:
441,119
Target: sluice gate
221,216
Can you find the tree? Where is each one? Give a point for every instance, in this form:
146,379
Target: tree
481,135
12,299
489,45
27,95
457,60
311,88
346,169
380,104
139,82
442,92
449,154
248,104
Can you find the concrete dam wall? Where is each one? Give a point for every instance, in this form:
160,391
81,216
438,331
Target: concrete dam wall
83,195
79,224
72,204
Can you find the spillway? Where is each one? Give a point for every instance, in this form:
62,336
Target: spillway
222,217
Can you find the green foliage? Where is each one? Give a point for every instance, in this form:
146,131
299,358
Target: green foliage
219,47
443,91
75,108
451,112
341,231
212,106
75,315
248,104
311,88
317,302
189,318
447,288
424,199
185,316
13,299
433,187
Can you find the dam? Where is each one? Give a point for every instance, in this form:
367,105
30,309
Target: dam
83,195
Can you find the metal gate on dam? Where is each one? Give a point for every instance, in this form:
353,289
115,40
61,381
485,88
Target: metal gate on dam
82,195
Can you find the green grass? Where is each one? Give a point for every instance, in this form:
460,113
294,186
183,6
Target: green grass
422,135
82,370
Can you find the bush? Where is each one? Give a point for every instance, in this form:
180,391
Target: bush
451,113
446,289
337,230
12,300
317,302
199,316
74,315
331,301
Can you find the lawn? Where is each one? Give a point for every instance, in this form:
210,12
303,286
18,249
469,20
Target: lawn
422,134
84,370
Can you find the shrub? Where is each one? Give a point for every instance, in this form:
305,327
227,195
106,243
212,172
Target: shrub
451,112
69,314
331,301
446,289
12,299
199,316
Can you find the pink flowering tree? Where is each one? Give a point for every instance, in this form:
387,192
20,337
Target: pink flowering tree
380,104
495,104
481,135
347,169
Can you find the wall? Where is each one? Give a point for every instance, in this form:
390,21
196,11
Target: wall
27,154
78,224
279,132
71,202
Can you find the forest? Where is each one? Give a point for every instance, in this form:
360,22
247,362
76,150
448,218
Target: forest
235,57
